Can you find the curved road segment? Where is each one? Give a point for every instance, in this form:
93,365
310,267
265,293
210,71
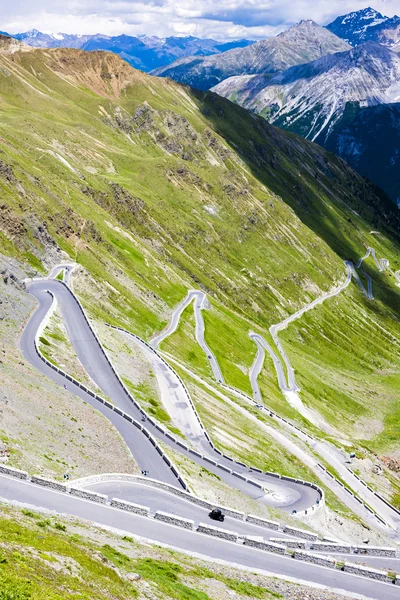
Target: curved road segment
200,302
193,542
90,354
290,385
295,496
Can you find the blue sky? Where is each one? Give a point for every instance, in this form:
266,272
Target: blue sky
221,19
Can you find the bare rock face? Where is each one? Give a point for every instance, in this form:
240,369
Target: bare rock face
302,43
391,463
339,102
310,98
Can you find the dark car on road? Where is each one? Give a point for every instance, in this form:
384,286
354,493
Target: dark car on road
216,515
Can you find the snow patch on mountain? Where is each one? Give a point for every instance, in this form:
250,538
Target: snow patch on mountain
367,24
315,95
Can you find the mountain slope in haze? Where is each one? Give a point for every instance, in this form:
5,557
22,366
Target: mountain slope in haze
301,43
142,52
367,25
370,143
315,99
156,189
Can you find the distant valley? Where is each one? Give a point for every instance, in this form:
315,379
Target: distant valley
142,52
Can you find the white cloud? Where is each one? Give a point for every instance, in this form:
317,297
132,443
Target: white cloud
221,19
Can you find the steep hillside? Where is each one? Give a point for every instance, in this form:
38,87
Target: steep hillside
45,557
156,189
320,98
302,43
370,144
367,25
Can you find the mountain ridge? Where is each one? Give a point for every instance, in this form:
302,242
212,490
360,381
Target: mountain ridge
143,52
367,25
299,44
314,98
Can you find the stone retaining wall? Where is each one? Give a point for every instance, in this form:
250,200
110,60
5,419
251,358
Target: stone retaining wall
316,559
131,507
366,571
302,533
217,532
54,485
94,496
174,520
13,472
264,545
375,550
301,544
329,547
263,522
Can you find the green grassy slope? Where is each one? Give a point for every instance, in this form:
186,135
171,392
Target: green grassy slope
43,557
156,189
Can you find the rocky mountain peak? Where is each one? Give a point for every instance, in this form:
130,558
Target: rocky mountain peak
366,24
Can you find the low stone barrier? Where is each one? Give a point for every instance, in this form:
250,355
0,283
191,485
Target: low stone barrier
239,476
374,550
13,472
131,507
329,547
87,495
267,545
262,522
224,468
366,571
302,533
49,483
217,532
205,458
174,520
316,559
230,512
301,544
271,474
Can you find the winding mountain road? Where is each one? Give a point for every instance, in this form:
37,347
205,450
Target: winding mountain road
289,386
200,302
192,542
293,495
98,367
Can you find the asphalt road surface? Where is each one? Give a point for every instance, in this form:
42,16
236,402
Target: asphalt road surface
235,554
296,496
